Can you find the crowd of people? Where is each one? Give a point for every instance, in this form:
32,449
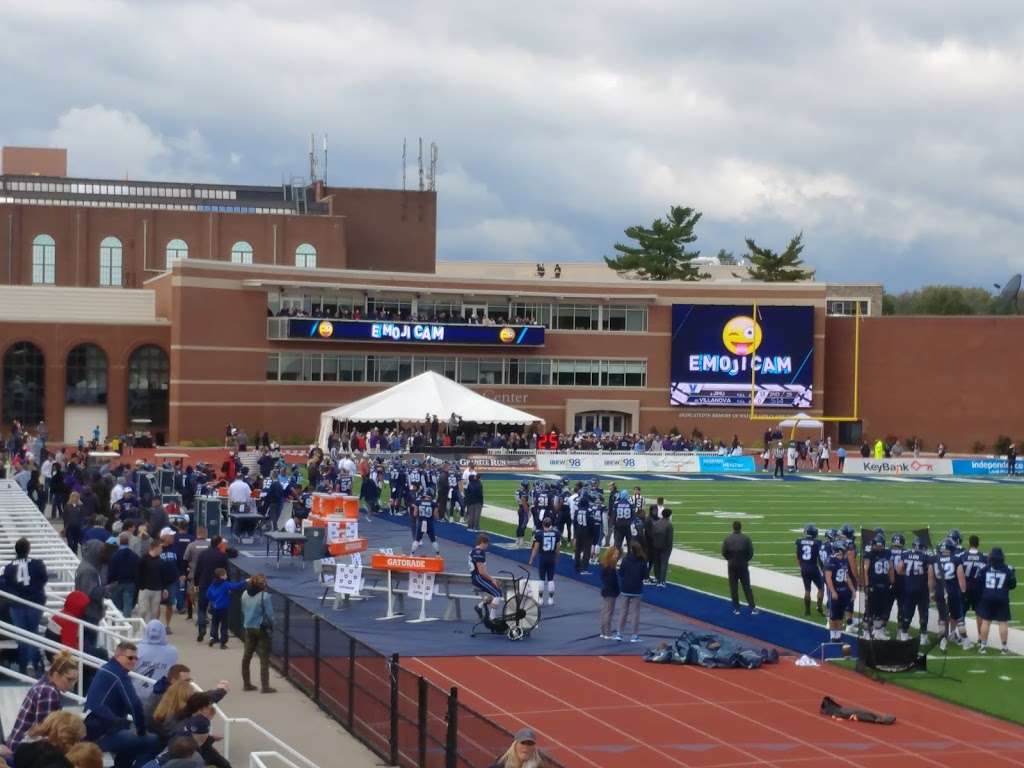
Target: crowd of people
469,317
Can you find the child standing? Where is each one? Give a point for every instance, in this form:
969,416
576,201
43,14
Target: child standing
219,596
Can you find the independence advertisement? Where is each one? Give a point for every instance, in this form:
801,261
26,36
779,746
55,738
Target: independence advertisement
715,348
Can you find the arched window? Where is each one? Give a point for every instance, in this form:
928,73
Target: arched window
305,256
24,387
177,250
86,376
149,377
111,262
44,260
241,253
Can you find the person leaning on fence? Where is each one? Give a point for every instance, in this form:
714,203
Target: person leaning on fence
523,753
258,625
44,697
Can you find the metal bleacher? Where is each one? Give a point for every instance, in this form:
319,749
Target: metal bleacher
19,517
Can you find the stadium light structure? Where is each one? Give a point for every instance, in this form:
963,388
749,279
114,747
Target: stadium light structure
856,381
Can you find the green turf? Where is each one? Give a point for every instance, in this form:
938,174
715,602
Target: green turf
985,683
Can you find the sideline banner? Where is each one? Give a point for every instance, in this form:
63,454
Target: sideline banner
921,467
675,463
982,466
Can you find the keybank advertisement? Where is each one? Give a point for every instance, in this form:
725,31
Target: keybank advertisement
716,348
911,466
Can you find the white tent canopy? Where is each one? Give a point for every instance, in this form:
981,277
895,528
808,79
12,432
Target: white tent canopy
428,393
802,421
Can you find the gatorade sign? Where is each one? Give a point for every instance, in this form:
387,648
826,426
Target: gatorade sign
407,563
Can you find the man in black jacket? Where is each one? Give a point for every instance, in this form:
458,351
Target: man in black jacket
209,560
738,550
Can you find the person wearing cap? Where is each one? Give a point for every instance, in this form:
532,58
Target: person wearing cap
199,711
171,574
523,753
121,571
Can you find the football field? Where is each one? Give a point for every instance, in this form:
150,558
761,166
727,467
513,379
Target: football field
774,512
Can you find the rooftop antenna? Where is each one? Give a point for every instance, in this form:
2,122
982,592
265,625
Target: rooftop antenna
432,176
312,158
403,164
325,159
1006,302
421,163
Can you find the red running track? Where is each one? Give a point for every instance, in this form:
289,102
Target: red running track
597,711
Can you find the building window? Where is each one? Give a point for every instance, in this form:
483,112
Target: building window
44,260
177,250
305,256
847,307
86,376
149,378
111,262
624,318
605,422
241,253
24,385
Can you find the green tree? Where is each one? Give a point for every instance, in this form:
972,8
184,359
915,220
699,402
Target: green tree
939,300
726,257
772,267
660,251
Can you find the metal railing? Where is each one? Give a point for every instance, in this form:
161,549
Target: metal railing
400,716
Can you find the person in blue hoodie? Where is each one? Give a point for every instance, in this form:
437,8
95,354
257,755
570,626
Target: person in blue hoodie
26,577
114,718
632,573
219,596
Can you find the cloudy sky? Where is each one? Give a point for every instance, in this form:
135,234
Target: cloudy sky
889,132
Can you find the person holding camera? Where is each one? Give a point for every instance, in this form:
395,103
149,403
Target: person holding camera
257,623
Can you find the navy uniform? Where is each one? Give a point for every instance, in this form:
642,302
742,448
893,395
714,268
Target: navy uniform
973,562
997,579
919,580
950,585
487,588
345,484
595,520
539,505
837,575
545,549
423,520
579,508
397,486
523,510
878,577
622,512
896,553
808,554
455,494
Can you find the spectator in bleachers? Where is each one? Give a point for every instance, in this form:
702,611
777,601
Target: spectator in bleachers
180,753
109,701
176,674
97,530
44,697
149,581
89,579
169,713
523,753
85,754
26,577
156,657
199,711
72,516
121,572
48,742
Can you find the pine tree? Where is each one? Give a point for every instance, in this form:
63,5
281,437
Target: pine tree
660,251
772,267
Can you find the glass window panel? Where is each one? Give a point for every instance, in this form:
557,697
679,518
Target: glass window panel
291,367
149,377
469,371
311,367
273,361
24,384
491,371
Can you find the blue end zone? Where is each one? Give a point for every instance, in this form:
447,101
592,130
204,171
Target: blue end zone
775,628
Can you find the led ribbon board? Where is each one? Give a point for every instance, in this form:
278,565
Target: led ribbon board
423,334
